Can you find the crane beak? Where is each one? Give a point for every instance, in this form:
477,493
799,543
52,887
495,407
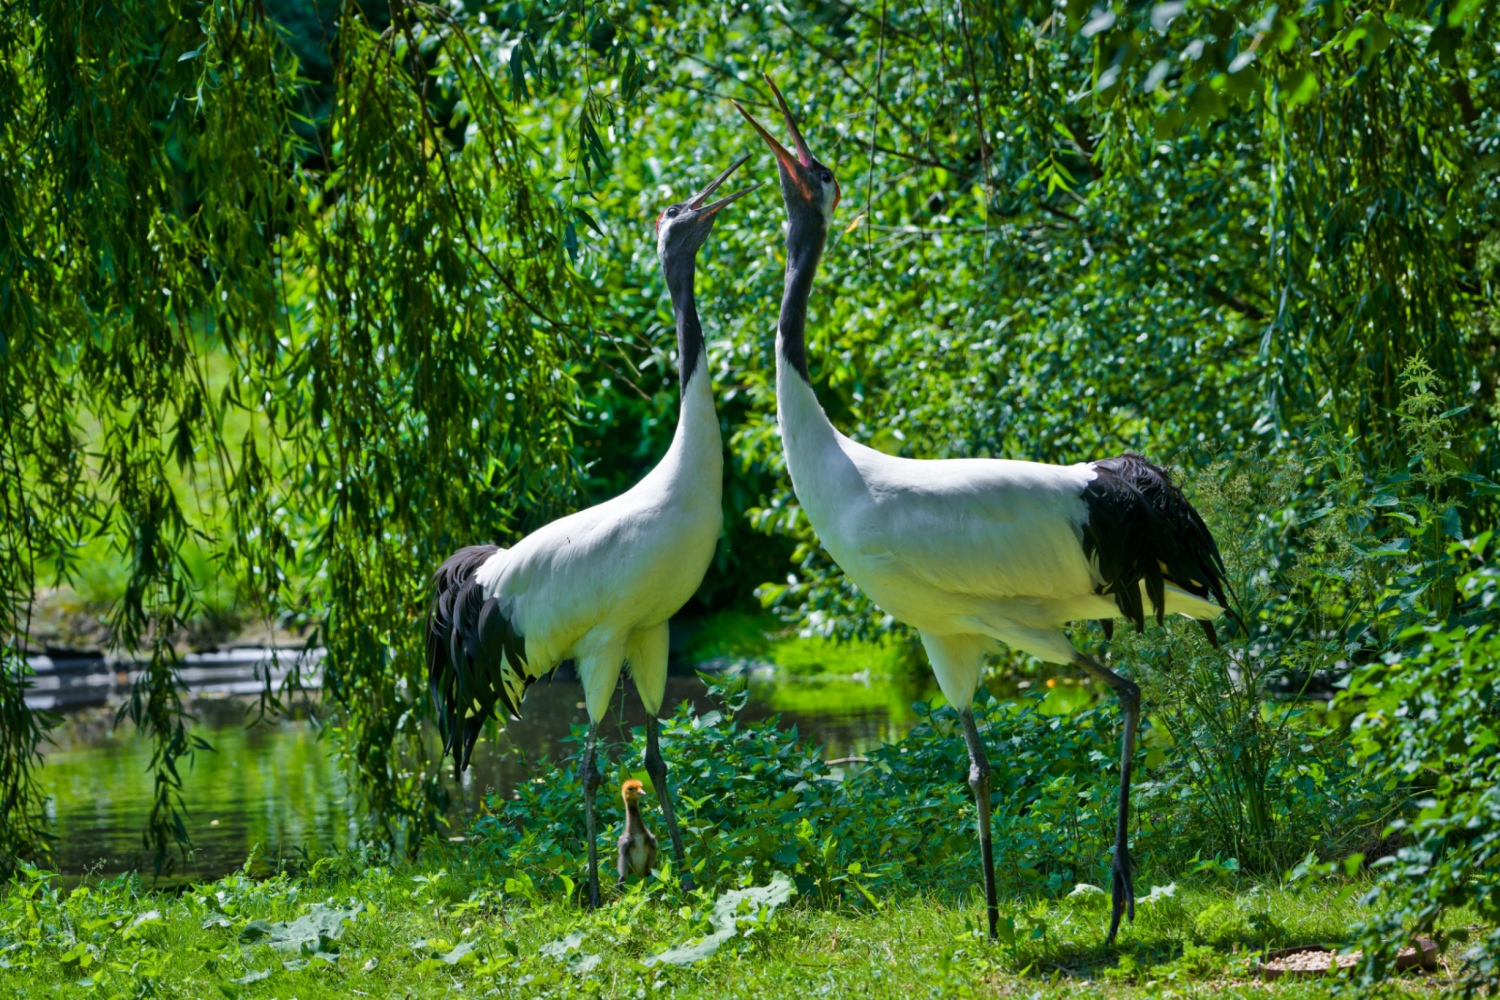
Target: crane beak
786,158
714,208
804,155
792,165
696,204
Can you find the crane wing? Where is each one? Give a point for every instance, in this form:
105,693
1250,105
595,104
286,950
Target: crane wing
1142,534
983,527
1002,529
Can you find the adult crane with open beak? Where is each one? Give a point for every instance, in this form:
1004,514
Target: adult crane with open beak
596,587
974,553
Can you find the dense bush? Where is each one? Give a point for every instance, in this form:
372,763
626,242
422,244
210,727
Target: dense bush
1429,729
755,798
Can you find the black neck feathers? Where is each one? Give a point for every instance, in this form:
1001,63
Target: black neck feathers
804,247
689,331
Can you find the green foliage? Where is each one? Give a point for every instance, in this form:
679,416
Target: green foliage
425,931
1261,777
1189,268
128,214
1427,727
287,317
1369,119
1386,582
755,799
222,329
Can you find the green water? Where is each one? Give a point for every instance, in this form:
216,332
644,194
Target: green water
276,787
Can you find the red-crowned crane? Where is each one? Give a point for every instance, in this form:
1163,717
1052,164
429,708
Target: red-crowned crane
596,587
977,552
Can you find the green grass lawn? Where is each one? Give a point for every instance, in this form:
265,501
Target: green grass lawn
442,933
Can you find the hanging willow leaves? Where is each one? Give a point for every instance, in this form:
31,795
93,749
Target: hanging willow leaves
324,299
349,335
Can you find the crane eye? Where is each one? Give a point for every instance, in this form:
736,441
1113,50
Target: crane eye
672,212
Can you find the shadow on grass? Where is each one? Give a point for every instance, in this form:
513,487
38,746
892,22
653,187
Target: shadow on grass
1162,953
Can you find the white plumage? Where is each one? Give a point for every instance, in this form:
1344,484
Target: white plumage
981,550
596,587
975,553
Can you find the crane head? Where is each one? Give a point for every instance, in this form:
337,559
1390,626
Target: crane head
682,227
807,185
632,791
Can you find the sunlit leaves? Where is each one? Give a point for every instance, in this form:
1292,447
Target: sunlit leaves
326,349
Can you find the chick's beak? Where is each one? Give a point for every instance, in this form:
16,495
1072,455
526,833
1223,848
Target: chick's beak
696,203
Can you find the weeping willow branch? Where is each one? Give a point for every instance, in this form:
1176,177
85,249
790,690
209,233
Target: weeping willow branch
311,349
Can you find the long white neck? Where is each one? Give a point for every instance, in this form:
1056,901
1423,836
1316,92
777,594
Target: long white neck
697,443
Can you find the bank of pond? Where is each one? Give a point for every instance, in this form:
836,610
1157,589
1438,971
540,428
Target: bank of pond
275,783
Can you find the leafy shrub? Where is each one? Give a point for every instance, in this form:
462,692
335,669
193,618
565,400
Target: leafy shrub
1429,729
1245,777
754,799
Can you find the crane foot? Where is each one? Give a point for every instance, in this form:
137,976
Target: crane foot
1123,892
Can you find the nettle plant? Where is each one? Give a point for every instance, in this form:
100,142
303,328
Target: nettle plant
758,799
1420,655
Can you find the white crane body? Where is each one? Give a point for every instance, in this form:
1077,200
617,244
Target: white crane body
974,553
990,549
598,586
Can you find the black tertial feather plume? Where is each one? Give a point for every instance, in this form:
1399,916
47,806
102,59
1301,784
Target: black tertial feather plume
475,658
1141,528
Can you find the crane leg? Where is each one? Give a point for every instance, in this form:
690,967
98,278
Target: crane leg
1129,693
592,778
979,781
656,766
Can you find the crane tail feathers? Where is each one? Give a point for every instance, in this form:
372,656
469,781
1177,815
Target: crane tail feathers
476,659
1141,533
1208,630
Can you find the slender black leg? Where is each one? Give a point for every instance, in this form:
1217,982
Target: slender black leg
979,781
657,768
592,778
1123,890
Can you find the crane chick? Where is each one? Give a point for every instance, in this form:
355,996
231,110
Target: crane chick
637,844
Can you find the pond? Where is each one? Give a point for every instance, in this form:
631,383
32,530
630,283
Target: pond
276,786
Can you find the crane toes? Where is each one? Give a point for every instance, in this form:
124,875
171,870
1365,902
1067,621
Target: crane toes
1123,894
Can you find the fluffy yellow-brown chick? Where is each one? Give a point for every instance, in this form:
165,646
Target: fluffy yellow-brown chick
637,844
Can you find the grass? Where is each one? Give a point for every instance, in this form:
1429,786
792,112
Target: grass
841,696
735,635
447,931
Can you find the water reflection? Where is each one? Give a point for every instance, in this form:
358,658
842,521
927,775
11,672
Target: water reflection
275,785
278,785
